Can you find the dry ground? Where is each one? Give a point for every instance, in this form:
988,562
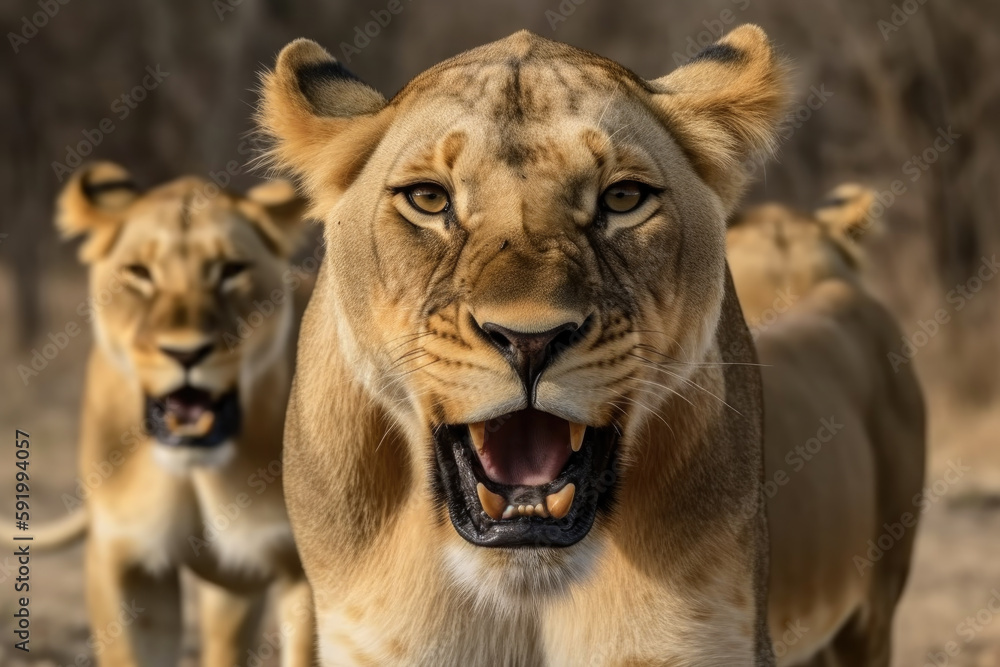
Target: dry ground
956,570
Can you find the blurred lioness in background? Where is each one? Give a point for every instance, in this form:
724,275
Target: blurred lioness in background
844,433
195,321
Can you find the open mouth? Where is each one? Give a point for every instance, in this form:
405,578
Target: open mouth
191,417
528,478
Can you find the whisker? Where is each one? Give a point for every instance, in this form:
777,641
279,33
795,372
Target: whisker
705,364
656,413
698,386
663,386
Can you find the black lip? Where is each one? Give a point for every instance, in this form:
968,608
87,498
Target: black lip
458,472
228,419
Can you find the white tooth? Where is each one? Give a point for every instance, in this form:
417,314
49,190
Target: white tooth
558,503
576,432
491,502
478,433
509,512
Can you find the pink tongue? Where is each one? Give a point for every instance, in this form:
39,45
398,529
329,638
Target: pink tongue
187,405
525,448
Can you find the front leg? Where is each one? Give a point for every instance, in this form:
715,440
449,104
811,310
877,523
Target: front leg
135,616
230,624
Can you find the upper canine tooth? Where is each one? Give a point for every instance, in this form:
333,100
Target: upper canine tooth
492,503
558,503
478,433
576,432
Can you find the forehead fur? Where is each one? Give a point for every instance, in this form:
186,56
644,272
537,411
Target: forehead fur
521,84
102,202
517,72
721,108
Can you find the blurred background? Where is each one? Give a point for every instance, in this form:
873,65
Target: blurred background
168,89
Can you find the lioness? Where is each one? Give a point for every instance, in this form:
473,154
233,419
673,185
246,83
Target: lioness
183,410
525,424
844,433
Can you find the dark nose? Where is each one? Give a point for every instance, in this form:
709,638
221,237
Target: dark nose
530,353
190,357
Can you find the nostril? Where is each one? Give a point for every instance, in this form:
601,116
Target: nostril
188,357
498,338
563,340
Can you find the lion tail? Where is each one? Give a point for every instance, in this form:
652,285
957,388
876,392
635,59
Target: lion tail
59,534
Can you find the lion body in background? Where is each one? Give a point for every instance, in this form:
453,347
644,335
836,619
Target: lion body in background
844,433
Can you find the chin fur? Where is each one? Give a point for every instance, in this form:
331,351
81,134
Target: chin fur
505,580
181,460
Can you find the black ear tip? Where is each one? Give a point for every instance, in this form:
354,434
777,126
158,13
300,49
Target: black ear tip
722,53
102,178
312,76
832,202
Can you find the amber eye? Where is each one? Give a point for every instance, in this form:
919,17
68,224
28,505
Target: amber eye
428,197
232,269
624,196
139,271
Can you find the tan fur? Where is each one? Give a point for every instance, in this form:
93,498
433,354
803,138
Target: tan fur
844,434
145,521
525,134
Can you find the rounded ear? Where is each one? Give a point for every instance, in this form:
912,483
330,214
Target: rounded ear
847,212
724,107
323,122
284,227
93,202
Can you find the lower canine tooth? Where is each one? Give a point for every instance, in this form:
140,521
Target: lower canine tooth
559,502
509,512
478,433
204,423
576,432
491,502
